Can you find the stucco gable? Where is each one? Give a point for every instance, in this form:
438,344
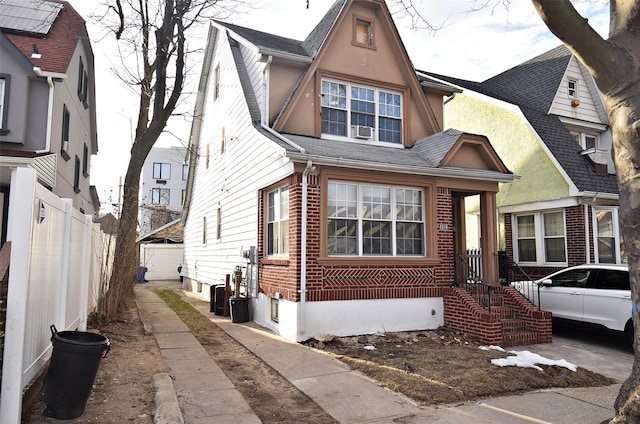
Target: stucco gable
454,148
383,62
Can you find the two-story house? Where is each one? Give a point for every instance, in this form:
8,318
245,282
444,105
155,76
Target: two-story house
164,179
47,98
547,120
326,157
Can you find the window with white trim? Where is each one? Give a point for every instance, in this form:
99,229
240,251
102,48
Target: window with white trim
608,244
540,238
64,147
354,111
572,88
185,172
278,221
375,220
3,101
161,171
160,196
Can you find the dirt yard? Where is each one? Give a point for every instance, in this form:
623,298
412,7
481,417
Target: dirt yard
431,367
123,390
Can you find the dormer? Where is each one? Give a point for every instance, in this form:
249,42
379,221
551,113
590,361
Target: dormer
361,86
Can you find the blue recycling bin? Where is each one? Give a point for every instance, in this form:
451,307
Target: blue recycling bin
141,272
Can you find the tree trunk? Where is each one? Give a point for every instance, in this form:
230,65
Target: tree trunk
123,279
615,66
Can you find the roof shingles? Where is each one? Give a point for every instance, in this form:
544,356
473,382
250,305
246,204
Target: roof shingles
57,48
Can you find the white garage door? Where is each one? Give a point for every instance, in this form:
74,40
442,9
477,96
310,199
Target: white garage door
161,260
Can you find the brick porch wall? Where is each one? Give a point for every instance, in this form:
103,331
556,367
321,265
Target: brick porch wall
353,282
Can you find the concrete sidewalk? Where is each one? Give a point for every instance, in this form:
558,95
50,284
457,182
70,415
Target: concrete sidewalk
205,394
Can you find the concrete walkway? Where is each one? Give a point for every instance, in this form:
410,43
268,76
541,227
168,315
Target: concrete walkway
203,394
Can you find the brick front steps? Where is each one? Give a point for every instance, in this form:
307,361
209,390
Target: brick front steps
513,320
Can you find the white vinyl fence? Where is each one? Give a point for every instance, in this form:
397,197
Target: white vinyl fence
53,280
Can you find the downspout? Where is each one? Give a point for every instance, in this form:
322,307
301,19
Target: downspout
586,235
266,74
303,249
47,146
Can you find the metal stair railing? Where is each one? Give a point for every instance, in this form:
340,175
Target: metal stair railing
472,283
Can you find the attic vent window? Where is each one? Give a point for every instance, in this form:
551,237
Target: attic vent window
572,89
363,32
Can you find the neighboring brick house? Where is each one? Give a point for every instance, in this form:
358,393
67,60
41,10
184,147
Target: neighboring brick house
554,134
328,157
47,99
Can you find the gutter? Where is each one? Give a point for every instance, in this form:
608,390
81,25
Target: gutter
303,249
196,125
49,76
283,138
404,169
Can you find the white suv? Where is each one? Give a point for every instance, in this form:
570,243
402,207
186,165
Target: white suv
595,294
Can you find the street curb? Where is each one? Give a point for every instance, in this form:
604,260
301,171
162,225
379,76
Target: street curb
167,406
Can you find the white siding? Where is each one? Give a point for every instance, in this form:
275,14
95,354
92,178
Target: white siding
587,94
230,182
255,69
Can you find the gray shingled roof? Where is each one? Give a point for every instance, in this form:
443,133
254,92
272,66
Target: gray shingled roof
532,86
307,48
567,152
316,37
267,41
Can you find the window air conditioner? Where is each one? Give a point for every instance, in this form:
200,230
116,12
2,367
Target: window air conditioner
362,131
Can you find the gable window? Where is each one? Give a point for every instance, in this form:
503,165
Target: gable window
353,111
278,221
589,142
375,220
161,171
540,237
160,196
362,32
4,103
85,160
572,88
76,176
64,148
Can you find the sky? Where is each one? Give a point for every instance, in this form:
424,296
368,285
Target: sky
473,45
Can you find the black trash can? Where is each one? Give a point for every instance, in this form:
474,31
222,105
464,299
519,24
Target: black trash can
217,300
239,309
72,371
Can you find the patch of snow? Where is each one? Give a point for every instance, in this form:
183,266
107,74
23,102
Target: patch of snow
492,347
369,347
526,359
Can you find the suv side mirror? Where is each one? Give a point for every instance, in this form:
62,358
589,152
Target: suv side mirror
545,283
